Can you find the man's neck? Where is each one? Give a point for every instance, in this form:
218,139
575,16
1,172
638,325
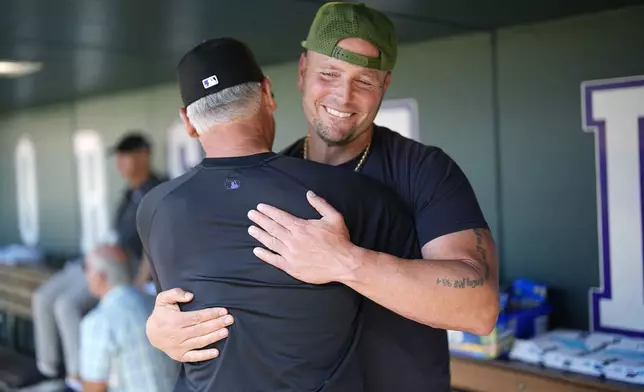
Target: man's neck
102,294
320,151
235,151
136,181
233,142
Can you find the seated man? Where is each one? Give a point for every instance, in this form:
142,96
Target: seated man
288,335
115,354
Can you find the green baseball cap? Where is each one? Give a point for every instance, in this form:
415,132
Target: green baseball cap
338,20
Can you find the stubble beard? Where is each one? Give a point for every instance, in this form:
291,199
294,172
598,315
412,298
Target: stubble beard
325,132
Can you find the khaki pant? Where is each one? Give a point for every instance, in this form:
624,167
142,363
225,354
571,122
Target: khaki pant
58,307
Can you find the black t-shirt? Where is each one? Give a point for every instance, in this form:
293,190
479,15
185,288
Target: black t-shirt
400,354
125,220
288,335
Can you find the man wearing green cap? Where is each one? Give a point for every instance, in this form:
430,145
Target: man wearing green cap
343,76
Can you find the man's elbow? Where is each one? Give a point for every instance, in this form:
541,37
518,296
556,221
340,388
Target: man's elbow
486,322
486,316
483,312
478,317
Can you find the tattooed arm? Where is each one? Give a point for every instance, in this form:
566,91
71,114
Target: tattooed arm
454,287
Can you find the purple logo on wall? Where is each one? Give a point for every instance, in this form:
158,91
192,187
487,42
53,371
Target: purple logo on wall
614,110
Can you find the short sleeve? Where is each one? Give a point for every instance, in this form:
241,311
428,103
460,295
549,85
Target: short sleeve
144,215
95,348
402,234
444,200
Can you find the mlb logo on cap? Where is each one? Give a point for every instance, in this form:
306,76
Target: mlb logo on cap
213,66
211,81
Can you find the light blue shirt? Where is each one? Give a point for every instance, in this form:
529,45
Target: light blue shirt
116,350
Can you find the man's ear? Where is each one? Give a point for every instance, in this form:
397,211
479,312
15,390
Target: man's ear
267,91
192,132
301,69
387,81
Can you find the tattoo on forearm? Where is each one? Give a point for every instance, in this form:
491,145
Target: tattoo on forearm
461,283
467,282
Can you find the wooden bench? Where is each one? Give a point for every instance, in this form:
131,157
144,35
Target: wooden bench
475,375
17,285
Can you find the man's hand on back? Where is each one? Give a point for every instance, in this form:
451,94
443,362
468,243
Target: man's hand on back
315,251
181,335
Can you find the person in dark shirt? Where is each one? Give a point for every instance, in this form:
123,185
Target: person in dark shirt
343,75
288,335
133,153
60,303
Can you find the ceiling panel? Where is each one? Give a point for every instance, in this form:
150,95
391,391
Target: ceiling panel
488,14
95,46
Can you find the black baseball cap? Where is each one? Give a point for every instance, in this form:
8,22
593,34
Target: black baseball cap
132,141
215,65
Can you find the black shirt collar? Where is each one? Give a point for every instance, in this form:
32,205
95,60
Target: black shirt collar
296,149
248,160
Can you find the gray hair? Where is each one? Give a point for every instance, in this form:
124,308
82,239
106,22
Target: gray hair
241,101
116,272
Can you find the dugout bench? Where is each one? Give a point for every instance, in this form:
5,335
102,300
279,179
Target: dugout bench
17,285
476,375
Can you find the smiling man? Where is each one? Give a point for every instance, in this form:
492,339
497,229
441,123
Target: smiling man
351,51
